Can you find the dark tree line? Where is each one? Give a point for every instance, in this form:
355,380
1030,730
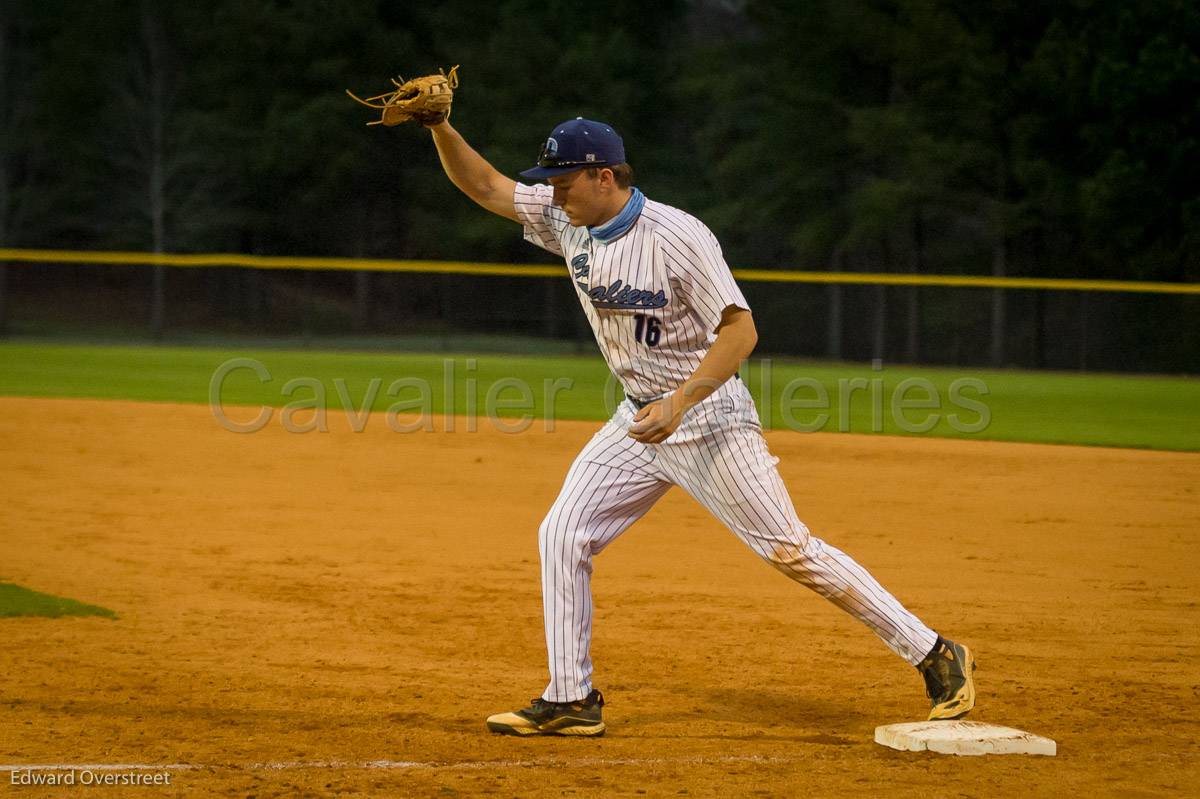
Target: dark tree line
941,136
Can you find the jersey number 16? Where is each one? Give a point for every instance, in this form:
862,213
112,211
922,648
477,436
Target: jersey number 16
647,329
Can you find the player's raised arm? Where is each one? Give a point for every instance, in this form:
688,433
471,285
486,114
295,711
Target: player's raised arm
471,172
427,101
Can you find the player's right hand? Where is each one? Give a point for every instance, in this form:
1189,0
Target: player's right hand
656,422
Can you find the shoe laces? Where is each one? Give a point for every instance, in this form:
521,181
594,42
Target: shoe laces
936,671
935,686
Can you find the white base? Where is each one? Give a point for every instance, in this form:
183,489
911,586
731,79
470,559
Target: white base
963,738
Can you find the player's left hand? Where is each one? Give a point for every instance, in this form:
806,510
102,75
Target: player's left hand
657,421
426,99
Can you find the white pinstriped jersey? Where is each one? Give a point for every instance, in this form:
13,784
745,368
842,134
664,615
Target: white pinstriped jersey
653,296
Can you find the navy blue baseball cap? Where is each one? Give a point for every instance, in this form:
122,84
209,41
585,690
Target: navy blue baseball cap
578,144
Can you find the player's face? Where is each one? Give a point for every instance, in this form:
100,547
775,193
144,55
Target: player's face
580,197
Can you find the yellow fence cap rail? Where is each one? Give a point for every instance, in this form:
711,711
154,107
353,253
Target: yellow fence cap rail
118,258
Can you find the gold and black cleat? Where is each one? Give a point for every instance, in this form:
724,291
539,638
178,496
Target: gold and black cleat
949,682
552,718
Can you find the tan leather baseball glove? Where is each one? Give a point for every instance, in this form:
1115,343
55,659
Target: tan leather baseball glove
426,100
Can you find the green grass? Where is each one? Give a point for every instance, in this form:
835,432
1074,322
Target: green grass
18,601
1109,410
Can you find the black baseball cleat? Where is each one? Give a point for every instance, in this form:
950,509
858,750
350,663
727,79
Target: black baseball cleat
948,680
553,718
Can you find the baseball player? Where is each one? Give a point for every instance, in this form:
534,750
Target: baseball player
673,326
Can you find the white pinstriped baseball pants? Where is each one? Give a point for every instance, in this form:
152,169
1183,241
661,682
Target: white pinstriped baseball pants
718,455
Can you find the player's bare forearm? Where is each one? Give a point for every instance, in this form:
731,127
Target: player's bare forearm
472,174
736,339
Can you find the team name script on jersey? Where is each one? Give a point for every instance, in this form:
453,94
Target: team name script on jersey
622,296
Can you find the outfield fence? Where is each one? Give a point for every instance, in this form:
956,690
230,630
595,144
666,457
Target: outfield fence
946,319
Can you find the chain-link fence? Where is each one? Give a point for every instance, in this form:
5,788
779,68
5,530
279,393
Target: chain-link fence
1066,325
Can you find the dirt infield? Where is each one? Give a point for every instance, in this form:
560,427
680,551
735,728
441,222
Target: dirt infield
296,608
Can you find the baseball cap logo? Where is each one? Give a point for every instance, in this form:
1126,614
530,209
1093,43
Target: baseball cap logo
551,149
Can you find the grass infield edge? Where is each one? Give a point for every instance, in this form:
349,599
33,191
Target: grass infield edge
18,601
